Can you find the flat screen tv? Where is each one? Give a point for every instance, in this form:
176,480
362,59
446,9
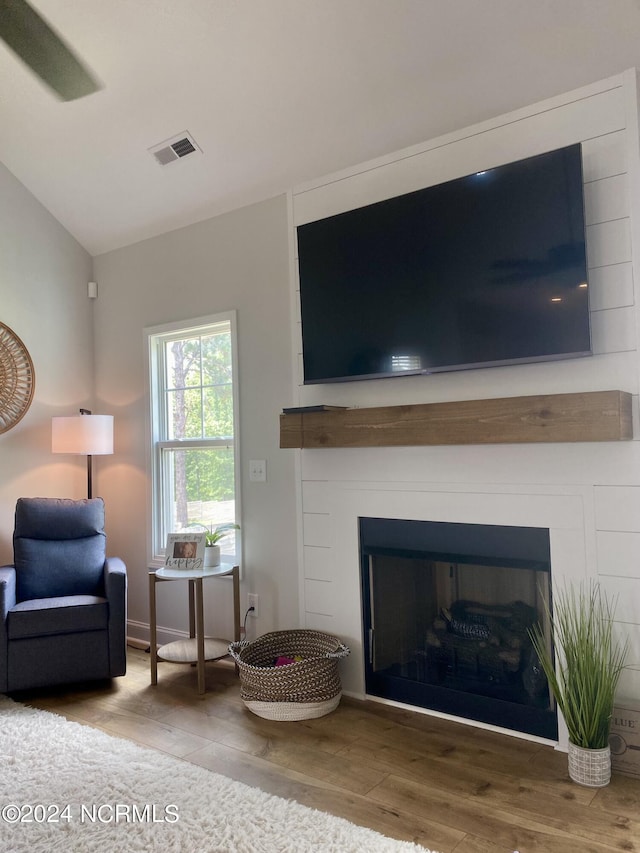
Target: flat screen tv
484,270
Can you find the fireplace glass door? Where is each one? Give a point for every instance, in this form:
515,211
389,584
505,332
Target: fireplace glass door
447,611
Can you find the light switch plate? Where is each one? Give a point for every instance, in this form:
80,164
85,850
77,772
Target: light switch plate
258,470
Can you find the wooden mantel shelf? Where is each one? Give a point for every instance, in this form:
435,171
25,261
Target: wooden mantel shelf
589,416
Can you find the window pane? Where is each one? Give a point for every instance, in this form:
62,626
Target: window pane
185,413
216,359
218,411
201,489
187,387
183,363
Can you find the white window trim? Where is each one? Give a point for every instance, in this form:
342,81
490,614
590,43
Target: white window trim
155,551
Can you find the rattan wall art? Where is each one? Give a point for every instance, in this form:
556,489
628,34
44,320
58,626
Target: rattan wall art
17,379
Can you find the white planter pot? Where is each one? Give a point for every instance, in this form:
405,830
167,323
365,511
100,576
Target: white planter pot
590,767
211,556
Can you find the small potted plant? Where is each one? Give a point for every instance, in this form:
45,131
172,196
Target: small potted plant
585,677
212,537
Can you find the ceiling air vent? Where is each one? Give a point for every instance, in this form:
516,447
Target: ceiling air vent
174,149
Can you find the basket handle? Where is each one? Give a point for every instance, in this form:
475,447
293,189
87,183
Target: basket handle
342,652
235,649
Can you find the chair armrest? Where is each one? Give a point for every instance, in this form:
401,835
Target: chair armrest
7,590
115,590
7,601
115,577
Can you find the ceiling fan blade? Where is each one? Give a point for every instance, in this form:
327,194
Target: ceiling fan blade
42,49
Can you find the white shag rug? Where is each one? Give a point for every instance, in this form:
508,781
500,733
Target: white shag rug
68,787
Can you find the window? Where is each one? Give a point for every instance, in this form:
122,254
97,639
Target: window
193,415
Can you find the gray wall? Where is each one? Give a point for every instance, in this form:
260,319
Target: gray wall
236,261
43,299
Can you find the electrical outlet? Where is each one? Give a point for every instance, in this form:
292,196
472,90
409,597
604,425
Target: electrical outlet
252,601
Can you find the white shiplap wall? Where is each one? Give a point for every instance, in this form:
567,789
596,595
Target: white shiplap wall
588,495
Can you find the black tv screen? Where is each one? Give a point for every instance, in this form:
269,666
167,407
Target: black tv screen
480,271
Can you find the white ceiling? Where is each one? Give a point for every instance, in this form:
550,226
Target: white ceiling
277,92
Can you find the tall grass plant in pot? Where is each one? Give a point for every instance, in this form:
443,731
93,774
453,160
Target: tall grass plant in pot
585,677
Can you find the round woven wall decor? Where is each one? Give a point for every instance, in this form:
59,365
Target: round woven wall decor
17,379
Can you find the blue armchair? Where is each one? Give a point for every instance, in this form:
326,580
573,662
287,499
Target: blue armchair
63,602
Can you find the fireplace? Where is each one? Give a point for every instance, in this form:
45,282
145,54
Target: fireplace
446,613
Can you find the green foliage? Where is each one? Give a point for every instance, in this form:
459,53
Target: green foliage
589,666
209,475
215,534
200,405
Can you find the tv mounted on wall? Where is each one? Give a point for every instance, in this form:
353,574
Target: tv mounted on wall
484,270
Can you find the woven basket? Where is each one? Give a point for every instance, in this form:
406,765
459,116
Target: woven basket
297,691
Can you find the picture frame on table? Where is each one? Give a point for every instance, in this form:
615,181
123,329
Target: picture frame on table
185,551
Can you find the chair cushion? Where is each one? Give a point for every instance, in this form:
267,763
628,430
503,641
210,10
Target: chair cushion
61,615
51,569
59,547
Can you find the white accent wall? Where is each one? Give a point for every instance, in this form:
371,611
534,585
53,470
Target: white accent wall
588,495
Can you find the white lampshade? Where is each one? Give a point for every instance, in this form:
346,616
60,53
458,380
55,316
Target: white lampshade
87,435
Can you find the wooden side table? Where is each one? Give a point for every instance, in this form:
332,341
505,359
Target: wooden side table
198,648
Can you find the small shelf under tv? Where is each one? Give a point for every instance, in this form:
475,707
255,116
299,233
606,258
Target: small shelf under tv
579,417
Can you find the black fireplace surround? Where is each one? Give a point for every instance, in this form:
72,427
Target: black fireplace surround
446,613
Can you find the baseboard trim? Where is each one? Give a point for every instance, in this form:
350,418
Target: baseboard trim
138,634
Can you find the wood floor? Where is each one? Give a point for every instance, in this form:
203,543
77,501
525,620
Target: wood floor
409,776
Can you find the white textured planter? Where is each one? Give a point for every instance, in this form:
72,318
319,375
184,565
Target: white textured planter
590,767
211,556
